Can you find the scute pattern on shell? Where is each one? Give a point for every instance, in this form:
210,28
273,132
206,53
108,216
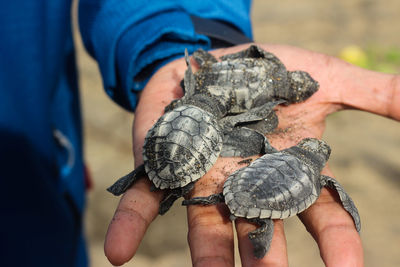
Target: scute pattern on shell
249,82
274,186
176,155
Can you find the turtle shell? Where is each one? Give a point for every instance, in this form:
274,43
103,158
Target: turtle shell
253,81
275,186
250,78
181,147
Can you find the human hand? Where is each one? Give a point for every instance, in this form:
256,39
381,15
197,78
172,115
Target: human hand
210,231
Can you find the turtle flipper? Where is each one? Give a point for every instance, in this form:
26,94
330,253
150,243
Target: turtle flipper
210,200
189,80
257,114
261,237
267,125
252,51
204,58
242,142
172,195
123,183
347,202
244,133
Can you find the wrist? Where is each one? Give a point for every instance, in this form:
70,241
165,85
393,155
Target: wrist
370,91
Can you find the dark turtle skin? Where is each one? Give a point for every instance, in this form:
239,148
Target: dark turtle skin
276,186
226,109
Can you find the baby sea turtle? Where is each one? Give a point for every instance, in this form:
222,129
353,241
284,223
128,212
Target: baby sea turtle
225,111
241,81
276,186
185,143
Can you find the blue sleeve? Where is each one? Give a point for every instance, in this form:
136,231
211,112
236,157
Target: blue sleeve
131,39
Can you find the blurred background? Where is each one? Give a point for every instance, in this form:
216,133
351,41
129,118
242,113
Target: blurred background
366,147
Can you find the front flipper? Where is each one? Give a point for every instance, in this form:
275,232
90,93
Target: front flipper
252,51
262,113
347,202
188,85
172,195
204,58
265,126
210,200
243,142
123,183
261,237
189,80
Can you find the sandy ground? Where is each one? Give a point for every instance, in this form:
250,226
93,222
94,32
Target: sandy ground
366,147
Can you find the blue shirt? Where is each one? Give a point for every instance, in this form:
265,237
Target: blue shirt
41,164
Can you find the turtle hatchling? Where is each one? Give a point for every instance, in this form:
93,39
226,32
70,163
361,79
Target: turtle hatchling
276,186
226,109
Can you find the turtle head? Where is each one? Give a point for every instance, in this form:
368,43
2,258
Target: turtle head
317,147
302,86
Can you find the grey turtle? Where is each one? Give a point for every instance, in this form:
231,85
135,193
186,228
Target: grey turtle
185,143
276,186
242,81
225,105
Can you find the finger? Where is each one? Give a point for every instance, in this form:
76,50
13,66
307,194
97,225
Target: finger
277,254
333,229
136,210
210,236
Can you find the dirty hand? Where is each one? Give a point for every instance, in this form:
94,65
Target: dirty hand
210,231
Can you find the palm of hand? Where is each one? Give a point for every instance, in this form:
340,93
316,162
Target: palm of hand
210,231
